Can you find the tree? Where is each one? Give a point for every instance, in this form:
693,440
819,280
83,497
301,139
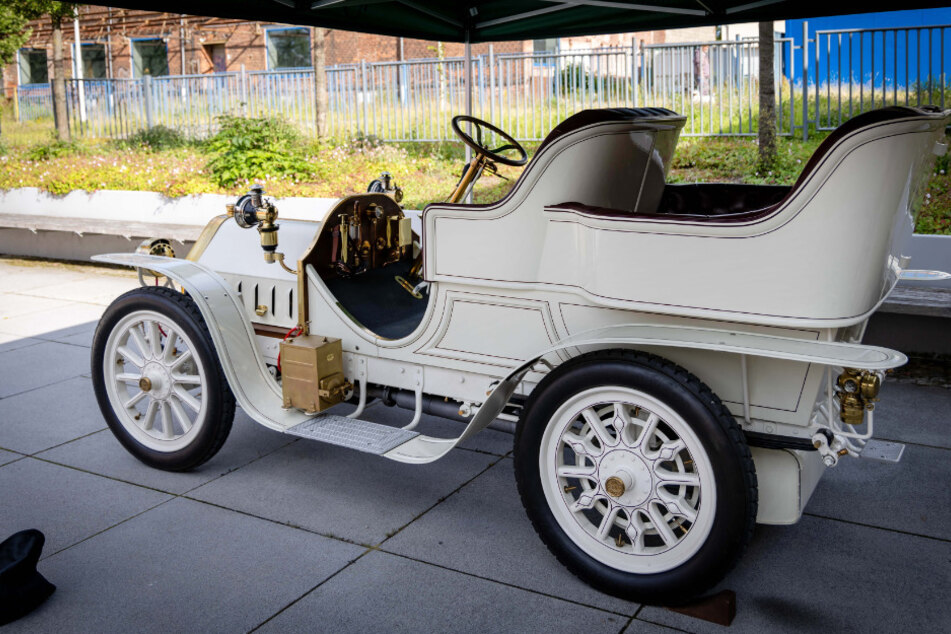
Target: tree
320,81
57,12
767,98
14,32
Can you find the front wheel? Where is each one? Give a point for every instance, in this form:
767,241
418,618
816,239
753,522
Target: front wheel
636,476
158,380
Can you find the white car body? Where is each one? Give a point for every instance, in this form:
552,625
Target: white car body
766,305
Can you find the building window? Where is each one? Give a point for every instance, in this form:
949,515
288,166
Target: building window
94,61
215,52
149,57
545,46
288,48
33,69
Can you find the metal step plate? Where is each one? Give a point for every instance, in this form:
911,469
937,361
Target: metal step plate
352,433
883,451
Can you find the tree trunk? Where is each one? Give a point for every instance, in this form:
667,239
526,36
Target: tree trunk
320,82
59,81
767,97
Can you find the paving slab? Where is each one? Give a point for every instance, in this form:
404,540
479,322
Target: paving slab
489,440
14,305
12,342
823,575
48,416
94,289
339,492
912,496
73,317
8,456
183,567
483,530
638,626
37,366
19,278
914,413
382,592
74,337
67,505
101,453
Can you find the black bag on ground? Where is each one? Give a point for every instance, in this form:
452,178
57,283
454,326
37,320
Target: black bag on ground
22,588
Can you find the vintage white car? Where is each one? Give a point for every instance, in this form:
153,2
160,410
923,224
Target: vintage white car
682,361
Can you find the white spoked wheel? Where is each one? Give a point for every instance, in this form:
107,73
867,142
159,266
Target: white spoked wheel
628,480
158,379
154,381
635,476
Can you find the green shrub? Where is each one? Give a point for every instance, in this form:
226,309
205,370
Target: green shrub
52,150
156,138
254,148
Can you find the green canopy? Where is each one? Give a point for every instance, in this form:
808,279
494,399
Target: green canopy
494,20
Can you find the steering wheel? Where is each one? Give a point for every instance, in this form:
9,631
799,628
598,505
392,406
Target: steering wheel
479,147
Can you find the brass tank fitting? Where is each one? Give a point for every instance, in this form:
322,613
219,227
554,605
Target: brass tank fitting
858,391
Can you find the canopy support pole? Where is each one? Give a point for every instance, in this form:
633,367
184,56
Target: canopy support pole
468,75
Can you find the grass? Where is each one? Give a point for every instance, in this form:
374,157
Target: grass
427,172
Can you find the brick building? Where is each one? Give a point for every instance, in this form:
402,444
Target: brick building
123,43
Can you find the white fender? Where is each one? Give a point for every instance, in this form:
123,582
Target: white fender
255,390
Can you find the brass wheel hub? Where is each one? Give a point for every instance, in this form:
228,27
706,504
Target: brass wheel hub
145,384
614,486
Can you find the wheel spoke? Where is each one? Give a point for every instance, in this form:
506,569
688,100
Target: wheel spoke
126,377
635,532
185,356
139,340
169,352
167,427
660,525
179,412
187,379
585,501
677,505
155,339
135,399
622,418
607,522
666,477
597,425
186,398
575,471
149,419
129,355
650,426
670,449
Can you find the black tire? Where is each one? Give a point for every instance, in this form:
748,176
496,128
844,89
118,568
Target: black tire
216,394
721,439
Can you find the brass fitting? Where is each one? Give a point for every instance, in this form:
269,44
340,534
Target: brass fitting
858,391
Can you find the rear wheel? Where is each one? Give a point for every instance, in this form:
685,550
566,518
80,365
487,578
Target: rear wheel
158,379
636,476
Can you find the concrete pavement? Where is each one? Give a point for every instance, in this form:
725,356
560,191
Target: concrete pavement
289,535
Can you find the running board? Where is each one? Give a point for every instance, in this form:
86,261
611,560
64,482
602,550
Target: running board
883,450
353,433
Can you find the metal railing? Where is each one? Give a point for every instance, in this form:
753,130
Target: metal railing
716,84
833,76
856,70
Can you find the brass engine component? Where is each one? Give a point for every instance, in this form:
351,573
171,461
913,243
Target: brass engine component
156,246
858,391
365,238
312,373
260,310
253,210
